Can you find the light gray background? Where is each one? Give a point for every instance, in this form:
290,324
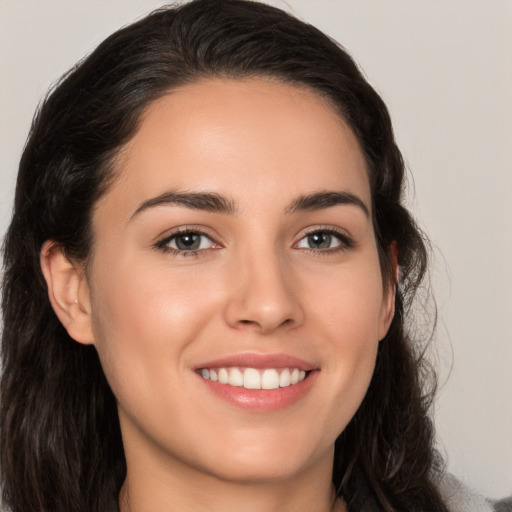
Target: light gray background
445,70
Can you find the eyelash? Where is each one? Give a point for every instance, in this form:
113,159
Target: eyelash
346,242
163,244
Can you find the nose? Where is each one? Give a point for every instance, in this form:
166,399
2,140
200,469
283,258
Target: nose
262,296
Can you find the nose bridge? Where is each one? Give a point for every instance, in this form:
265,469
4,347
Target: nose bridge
264,294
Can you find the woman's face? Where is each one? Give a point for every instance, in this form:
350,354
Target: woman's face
235,250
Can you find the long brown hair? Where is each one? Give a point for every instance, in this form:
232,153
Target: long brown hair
60,440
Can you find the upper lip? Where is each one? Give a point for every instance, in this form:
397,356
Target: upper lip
259,361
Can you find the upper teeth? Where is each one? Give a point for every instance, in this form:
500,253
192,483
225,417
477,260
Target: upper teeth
252,378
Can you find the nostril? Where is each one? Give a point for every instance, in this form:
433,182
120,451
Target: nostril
263,323
263,311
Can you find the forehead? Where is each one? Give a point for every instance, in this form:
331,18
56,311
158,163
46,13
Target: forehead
240,136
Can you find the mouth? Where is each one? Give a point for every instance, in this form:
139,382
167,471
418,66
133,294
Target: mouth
254,378
259,382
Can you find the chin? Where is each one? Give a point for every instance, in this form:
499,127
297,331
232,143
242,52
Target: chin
269,460
259,471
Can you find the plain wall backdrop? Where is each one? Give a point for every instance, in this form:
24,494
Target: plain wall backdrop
444,69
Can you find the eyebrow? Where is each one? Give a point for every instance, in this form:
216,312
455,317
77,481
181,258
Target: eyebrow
327,199
213,202
207,201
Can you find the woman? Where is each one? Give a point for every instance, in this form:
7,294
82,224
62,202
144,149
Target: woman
208,280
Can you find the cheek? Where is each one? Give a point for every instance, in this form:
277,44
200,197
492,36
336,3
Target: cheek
347,324
144,321
139,296
349,305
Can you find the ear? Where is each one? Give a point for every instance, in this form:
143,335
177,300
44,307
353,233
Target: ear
388,299
68,291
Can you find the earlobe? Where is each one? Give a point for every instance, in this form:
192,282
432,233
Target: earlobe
388,311
388,303
68,292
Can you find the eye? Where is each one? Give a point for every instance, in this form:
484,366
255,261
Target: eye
187,242
324,240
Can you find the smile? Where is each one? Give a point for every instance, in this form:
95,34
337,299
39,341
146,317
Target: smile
253,378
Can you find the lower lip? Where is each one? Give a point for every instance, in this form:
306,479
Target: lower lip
262,400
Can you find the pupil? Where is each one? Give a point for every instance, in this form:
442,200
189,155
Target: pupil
188,241
320,240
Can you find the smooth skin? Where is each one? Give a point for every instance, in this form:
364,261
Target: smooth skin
171,285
